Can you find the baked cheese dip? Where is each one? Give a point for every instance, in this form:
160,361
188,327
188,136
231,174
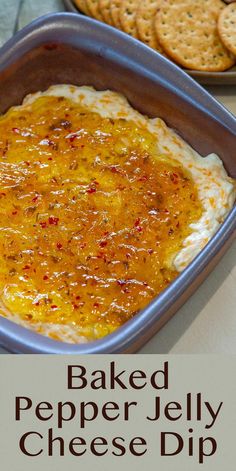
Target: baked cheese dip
101,208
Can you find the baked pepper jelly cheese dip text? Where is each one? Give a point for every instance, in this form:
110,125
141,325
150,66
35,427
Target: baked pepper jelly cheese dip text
100,208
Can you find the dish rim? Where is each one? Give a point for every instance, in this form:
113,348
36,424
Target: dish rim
124,337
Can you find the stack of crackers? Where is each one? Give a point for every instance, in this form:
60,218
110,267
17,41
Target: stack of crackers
196,34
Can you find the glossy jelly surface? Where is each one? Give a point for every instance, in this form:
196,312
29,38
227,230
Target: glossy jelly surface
91,216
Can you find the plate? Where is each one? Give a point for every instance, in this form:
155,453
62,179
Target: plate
206,78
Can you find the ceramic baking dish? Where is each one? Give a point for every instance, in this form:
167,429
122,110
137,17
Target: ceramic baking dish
68,48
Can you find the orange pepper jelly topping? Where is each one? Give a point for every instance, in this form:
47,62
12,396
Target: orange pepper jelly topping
91,216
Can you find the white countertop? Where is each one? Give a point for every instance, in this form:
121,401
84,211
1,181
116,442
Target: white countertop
207,322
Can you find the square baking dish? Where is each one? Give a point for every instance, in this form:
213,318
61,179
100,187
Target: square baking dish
68,48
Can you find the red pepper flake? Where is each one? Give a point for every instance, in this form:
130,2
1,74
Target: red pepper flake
14,213
45,277
73,137
35,198
103,243
174,178
36,304
83,245
27,163
143,178
91,190
121,282
150,251
78,298
138,227
73,198
49,158
128,255
53,221
53,306
75,306
114,169
43,224
126,290
26,267
2,194
96,304
59,246
16,130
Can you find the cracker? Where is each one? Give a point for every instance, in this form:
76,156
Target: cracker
187,31
115,12
128,12
104,7
145,16
227,27
94,9
82,6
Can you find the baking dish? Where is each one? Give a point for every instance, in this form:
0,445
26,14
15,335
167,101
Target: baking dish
67,48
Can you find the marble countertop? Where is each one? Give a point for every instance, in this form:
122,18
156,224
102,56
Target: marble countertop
207,322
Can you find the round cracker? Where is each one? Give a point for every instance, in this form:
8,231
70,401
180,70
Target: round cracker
93,7
115,12
187,31
128,10
82,6
145,17
104,7
227,27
